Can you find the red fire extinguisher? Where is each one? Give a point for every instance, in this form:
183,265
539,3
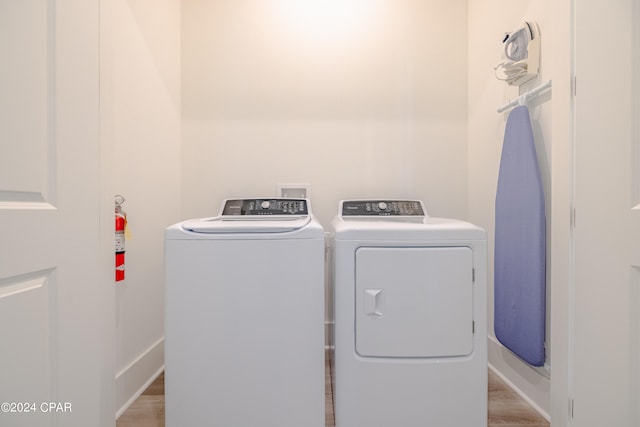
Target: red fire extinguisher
121,223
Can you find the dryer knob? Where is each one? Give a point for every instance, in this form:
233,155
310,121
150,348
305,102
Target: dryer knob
382,206
265,205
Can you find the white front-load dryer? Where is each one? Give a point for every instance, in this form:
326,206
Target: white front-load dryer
410,317
244,317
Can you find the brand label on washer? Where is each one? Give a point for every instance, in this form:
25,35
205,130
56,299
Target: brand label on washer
248,207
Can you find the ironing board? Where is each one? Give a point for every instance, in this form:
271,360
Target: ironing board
520,244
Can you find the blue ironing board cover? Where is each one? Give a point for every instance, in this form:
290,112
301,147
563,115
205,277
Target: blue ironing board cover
520,244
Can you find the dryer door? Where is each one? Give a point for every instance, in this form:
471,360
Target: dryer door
414,301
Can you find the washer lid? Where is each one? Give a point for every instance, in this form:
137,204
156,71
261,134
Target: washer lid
242,224
260,215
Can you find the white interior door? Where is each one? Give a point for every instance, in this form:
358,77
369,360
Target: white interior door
606,348
54,359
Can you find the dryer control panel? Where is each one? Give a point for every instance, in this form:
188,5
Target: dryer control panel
412,208
249,207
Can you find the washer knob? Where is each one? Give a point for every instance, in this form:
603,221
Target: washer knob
265,204
382,206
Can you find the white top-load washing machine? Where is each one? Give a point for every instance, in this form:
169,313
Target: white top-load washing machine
244,317
410,317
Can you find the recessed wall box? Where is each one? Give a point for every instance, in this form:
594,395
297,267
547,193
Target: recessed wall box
294,191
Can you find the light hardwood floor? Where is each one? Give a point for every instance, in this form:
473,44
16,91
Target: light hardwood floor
506,408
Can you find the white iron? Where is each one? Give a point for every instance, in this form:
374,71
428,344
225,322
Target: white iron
520,55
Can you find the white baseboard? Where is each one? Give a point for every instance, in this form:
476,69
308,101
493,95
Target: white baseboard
532,384
138,375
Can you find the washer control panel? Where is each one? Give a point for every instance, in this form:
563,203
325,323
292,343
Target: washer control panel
412,208
249,207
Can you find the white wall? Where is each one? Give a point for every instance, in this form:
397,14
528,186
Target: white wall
359,98
140,100
488,21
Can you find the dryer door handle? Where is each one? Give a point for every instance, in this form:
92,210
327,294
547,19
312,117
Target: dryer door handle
373,302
